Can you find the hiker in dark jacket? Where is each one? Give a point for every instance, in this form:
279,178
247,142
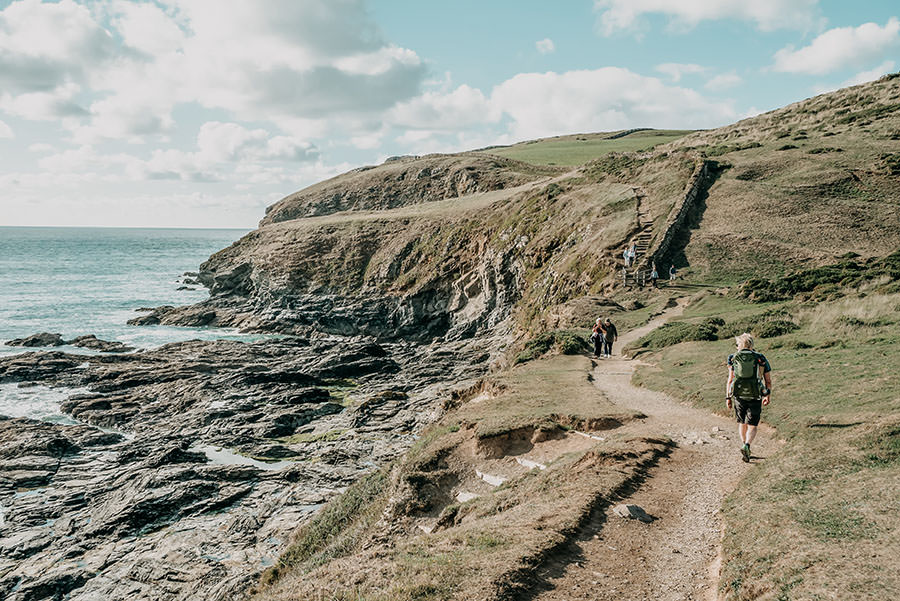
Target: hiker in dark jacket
749,387
597,337
609,337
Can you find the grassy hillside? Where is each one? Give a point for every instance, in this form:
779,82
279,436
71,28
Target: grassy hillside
795,241
816,520
807,183
464,515
580,148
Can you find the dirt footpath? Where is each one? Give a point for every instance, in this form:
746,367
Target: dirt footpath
675,557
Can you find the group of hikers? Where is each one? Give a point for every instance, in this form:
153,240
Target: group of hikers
603,335
747,389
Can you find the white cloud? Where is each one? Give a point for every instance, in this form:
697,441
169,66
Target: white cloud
40,147
676,71
533,105
455,110
870,75
222,142
545,46
544,104
147,28
839,48
723,81
47,45
861,77
766,14
282,59
5,131
53,105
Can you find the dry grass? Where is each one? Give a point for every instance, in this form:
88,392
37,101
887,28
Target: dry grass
487,547
578,149
818,519
774,211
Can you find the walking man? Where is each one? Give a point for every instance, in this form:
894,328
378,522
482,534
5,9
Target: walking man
749,387
609,337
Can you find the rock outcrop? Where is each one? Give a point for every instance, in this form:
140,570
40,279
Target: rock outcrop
45,339
403,182
192,463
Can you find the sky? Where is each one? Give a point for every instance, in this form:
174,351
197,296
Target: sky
200,113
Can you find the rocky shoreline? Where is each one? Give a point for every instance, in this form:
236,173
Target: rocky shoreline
192,463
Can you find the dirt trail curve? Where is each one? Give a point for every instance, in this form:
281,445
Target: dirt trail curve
674,558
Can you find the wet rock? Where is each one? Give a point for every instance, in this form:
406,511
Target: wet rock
146,513
55,586
104,346
42,339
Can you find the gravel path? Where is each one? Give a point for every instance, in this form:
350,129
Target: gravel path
674,558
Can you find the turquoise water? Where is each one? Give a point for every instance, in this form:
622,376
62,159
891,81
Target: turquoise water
78,281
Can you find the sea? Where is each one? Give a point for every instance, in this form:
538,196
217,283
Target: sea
76,281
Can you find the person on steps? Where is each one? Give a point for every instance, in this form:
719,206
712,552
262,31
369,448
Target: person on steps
597,337
609,337
654,276
627,256
672,272
749,388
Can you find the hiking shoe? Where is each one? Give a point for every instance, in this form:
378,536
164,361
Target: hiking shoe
745,453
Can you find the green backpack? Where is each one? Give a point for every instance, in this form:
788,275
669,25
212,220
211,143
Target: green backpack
746,383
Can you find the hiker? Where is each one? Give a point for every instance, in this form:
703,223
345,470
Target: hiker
654,275
597,337
632,251
671,272
749,388
609,337
627,257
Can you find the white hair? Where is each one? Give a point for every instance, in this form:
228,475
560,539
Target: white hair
744,341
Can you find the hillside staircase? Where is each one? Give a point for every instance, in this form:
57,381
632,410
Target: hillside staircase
650,248
635,275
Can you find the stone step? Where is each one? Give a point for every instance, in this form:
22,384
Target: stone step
490,478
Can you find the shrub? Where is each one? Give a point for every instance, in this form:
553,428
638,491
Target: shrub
822,282
673,333
767,324
824,149
564,341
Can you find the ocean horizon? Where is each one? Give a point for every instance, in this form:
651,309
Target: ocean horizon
90,280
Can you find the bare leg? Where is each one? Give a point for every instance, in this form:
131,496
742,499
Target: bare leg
750,435
742,430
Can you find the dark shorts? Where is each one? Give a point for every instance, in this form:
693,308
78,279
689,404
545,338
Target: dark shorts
747,412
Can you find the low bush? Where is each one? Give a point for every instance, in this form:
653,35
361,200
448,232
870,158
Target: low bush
822,282
673,333
565,342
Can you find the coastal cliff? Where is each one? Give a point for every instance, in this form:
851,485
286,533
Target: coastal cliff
427,379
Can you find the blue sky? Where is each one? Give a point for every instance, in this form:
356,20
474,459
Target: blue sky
203,112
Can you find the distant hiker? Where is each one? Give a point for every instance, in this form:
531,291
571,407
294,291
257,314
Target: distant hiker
654,275
749,388
627,256
609,337
671,272
632,251
597,337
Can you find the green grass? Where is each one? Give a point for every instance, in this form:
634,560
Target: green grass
579,149
810,521
567,342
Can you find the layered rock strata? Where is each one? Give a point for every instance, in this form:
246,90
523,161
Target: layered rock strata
192,463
